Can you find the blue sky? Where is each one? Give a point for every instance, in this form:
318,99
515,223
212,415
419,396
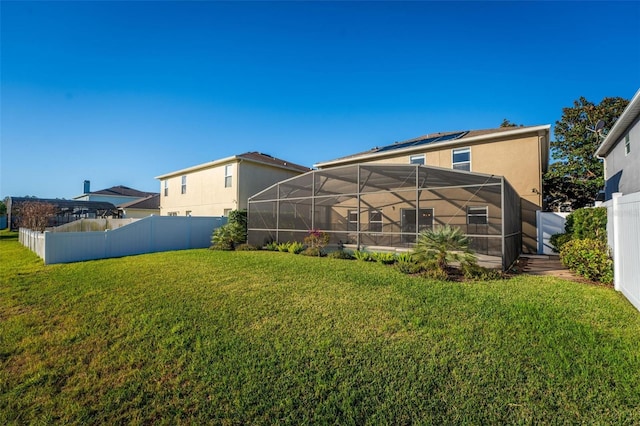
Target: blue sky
121,92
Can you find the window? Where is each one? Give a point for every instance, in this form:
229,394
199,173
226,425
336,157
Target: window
172,214
228,174
477,215
352,220
627,145
375,221
461,159
184,185
187,213
417,159
166,188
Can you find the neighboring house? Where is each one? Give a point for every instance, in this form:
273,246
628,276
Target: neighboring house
519,154
115,195
621,152
140,208
218,187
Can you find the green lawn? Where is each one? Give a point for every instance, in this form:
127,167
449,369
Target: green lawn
202,336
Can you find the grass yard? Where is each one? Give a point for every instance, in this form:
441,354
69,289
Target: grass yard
205,336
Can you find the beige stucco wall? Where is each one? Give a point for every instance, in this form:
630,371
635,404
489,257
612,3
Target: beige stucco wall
254,177
206,194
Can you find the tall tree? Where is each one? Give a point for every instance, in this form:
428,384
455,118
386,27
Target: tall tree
507,123
576,176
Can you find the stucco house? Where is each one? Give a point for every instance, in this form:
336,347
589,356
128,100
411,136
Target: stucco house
621,152
218,187
142,207
519,154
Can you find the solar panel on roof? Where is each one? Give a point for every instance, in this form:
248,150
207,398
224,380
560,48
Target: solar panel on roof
425,141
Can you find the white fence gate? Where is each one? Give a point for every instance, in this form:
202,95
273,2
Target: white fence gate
549,223
623,233
148,235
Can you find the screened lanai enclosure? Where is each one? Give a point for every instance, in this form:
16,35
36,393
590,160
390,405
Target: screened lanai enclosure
382,206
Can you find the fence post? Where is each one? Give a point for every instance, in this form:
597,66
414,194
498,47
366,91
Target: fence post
617,264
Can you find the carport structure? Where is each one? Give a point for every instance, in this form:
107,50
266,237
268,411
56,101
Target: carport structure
380,206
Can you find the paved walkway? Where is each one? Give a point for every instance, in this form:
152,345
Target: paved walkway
547,265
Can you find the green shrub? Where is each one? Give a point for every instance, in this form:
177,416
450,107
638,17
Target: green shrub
313,251
408,266
435,274
363,256
238,219
272,246
473,271
222,238
246,247
233,233
588,258
405,257
295,247
385,258
587,223
445,245
558,240
283,247
340,254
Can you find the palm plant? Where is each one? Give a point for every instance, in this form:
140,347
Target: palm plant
443,245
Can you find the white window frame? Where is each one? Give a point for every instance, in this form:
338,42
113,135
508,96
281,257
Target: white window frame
460,151
627,145
350,222
228,176
371,222
418,159
183,186
166,187
477,213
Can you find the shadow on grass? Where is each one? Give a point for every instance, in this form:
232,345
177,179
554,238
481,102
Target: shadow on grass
8,235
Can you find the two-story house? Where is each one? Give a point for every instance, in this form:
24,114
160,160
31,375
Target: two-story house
621,152
519,154
218,187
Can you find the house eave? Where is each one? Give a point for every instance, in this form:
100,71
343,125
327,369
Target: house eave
626,119
539,130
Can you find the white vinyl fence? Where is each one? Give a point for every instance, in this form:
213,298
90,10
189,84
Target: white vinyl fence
549,223
148,235
623,233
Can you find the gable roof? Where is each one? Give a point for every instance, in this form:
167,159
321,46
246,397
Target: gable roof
442,139
122,191
626,119
253,157
151,202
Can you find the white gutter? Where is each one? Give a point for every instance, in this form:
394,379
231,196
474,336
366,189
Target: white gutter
626,119
462,141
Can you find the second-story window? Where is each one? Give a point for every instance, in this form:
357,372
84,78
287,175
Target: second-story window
228,175
417,159
461,159
184,185
627,145
166,188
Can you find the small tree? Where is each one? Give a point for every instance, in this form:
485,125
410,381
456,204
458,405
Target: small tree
443,245
35,215
234,233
